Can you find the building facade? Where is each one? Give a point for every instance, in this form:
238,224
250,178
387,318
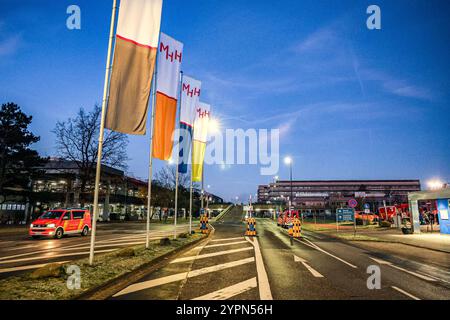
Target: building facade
332,194
121,197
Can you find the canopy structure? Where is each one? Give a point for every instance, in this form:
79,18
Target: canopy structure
442,196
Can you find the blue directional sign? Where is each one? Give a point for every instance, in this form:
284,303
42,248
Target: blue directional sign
366,206
345,214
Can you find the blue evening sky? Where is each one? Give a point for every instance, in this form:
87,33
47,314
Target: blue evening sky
350,103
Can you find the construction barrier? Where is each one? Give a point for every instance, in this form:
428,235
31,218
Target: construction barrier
204,224
290,229
251,227
296,228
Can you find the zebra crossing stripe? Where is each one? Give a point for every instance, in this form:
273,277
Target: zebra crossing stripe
208,255
231,291
180,276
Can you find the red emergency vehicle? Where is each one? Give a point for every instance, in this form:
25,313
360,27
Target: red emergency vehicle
391,211
59,222
285,218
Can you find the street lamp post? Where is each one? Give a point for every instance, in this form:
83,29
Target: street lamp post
288,161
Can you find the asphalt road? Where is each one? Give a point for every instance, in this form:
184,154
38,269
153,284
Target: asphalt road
270,266
19,253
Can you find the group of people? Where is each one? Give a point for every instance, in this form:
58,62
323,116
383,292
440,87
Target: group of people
429,217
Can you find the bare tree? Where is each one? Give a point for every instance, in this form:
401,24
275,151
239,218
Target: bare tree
77,140
166,177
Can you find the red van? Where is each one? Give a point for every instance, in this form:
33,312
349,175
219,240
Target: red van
59,222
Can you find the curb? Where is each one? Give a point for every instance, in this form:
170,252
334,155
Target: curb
106,290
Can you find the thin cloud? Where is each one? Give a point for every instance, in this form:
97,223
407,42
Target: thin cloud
398,87
10,45
319,40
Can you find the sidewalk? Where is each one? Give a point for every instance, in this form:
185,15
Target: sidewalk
433,241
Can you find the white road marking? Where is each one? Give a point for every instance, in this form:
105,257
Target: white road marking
208,255
231,291
56,256
405,293
226,239
314,246
180,276
27,267
424,277
113,242
307,266
263,279
225,244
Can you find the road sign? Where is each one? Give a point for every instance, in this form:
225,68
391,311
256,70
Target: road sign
366,206
352,203
366,210
345,214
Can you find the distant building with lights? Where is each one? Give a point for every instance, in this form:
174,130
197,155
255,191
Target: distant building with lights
321,195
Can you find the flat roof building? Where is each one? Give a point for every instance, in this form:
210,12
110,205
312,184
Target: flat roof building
332,194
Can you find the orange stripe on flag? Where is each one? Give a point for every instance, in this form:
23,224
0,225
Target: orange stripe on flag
165,115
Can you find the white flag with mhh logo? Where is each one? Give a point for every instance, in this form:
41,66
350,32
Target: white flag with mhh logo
190,94
134,61
201,123
170,54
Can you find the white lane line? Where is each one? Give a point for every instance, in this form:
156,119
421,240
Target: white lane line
424,277
225,244
56,256
231,291
226,239
307,266
67,248
27,267
405,293
208,255
99,244
263,279
20,247
181,276
314,246
106,245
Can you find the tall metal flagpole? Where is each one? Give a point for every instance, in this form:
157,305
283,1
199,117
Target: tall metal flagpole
150,164
202,192
102,129
177,162
190,205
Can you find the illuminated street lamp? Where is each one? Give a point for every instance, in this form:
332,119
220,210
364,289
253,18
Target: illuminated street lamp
288,161
213,125
435,184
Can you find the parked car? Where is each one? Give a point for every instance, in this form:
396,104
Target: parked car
369,217
59,222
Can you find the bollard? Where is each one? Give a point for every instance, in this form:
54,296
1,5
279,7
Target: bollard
296,228
251,227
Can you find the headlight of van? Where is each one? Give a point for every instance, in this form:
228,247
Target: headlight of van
51,225
31,225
